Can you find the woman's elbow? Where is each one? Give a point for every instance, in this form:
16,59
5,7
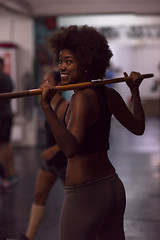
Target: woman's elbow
139,131
70,155
71,152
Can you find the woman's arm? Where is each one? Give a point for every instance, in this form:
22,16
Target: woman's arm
136,104
66,141
69,138
134,121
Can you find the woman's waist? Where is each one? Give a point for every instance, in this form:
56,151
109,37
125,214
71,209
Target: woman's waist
90,156
88,167
108,177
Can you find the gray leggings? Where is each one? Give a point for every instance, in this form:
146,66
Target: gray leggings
94,211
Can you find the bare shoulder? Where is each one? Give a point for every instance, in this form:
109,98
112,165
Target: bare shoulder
113,98
84,103
86,96
111,93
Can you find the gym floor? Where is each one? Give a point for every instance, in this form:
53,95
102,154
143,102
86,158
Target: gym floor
137,160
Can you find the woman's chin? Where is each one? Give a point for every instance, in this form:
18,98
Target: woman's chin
65,82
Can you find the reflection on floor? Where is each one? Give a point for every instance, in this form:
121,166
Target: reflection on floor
137,160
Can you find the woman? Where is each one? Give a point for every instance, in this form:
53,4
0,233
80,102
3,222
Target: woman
94,201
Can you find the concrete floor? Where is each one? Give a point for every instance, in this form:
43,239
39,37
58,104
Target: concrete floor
137,160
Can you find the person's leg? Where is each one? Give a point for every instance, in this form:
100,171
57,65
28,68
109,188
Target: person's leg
6,149
2,172
3,156
4,183
7,159
44,182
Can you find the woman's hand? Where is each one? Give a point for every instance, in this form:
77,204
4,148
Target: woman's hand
135,82
47,94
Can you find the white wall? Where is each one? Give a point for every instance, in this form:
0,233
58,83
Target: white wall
103,20
139,54
144,59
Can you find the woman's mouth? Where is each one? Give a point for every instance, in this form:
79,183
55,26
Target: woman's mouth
64,74
65,77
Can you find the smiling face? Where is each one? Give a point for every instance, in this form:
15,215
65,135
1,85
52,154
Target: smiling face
70,69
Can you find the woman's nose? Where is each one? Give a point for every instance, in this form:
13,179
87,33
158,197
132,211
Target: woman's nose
62,66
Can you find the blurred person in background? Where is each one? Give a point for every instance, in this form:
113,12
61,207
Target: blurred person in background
6,121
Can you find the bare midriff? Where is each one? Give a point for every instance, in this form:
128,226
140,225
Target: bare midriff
88,167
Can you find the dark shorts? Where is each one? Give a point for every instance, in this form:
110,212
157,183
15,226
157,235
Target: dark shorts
56,165
5,129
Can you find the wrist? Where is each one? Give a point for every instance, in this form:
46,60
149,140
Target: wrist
135,91
46,107
135,94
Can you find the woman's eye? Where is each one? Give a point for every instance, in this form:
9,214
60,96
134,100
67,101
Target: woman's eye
69,61
66,62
